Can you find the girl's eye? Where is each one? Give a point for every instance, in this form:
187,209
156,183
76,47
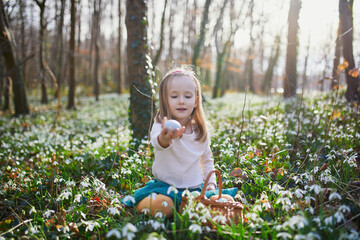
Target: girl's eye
188,96
174,96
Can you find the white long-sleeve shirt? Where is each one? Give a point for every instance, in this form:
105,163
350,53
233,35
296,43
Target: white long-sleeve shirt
185,163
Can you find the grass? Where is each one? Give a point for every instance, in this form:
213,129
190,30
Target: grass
296,164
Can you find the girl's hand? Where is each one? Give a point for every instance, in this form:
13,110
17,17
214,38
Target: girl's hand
166,135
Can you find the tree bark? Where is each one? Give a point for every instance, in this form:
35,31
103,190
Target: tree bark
139,69
44,96
72,85
158,53
96,26
59,47
266,84
119,84
345,11
336,61
200,41
290,81
13,68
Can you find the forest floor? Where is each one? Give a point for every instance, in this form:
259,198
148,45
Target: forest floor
296,164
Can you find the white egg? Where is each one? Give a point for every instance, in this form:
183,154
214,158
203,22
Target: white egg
172,124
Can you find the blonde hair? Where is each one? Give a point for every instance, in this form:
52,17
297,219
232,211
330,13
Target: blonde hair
197,117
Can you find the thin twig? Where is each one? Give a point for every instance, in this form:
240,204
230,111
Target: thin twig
12,229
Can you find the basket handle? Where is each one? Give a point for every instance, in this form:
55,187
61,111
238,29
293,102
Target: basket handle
202,194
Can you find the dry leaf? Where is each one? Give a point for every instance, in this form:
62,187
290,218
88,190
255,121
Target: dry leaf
354,72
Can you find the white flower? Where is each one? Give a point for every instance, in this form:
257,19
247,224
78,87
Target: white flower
299,221
316,188
308,199
334,195
113,211
90,225
220,219
145,211
299,193
67,161
48,213
115,201
157,225
195,228
172,189
276,188
164,203
32,210
113,233
329,220
158,214
339,216
55,163
344,209
283,235
129,198
129,231
77,198
153,196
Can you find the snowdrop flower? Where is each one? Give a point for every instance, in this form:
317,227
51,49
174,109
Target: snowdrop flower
299,193
153,195
334,195
145,211
195,228
113,233
157,225
90,225
67,161
186,193
316,188
344,209
77,198
129,231
284,235
276,188
299,221
55,163
48,213
172,189
164,203
284,201
266,205
257,208
32,210
32,230
220,219
329,220
129,198
339,216
158,215
308,199
113,211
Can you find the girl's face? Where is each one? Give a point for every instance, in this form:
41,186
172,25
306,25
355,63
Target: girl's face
182,98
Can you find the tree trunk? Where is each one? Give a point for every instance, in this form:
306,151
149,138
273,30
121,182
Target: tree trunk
71,94
266,84
22,6
336,61
96,31
119,84
41,5
13,69
345,11
139,69
250,60
200,41
158,53
290,81
59,47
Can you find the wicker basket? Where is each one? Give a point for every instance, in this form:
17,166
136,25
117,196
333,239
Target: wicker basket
232,211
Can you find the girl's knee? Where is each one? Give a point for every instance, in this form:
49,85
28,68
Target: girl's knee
161,203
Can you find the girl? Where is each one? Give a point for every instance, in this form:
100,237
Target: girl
182,156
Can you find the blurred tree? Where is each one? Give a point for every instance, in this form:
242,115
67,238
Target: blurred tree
71,94
336,61
274,57
346,28
119,83
12,66
158,52
249,64
96,39
290,82
200,41
139,69
59,45
42,29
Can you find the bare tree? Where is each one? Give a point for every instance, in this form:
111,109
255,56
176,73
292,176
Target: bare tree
41,5
200,41
139,69
96,39
352,77
12,66
71,94
290,81
158,53
336,61
119,84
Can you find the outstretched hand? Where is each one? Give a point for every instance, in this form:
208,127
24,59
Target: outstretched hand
166,135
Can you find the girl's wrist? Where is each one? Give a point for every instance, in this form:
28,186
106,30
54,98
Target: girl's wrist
163,143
